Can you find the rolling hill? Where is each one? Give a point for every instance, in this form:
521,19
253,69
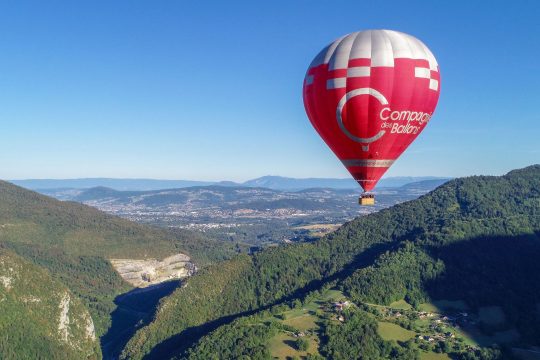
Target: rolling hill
472,241
75,242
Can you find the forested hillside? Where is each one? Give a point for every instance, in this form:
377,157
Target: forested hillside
74,242
473,240
40,317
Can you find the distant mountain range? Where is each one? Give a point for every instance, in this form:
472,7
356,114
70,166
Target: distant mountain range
116,184
270,182
221,193
285,183
252,216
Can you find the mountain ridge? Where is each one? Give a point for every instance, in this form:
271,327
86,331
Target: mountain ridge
74,242
103,191
269,181
476,207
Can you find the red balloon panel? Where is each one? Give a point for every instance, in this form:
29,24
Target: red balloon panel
369,110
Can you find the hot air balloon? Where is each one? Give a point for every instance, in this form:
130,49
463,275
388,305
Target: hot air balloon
369,94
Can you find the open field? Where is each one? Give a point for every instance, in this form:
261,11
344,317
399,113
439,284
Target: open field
400,304
332,295
433,356
282,346
389,331
303,322
329,227
318,230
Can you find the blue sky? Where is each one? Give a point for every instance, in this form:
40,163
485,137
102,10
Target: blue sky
212,90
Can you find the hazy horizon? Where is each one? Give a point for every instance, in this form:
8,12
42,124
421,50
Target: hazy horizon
218,180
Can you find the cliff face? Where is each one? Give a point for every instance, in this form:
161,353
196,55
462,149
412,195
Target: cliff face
40,313
74,242
142,273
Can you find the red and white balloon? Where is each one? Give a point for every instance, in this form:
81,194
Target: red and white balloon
369,95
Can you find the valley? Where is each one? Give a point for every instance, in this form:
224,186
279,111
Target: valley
252,216
454,247
431,278
78,247
277,180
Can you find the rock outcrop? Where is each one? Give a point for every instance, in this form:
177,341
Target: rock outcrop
142,273
63,320
40,317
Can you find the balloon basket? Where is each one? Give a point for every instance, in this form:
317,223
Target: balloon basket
366,199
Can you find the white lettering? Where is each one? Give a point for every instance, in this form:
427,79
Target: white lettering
382,116
404,115
404,129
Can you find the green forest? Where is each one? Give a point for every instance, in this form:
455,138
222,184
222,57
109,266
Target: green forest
449,275
424,250
73,243
30,315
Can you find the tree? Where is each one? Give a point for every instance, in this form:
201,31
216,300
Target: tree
302,344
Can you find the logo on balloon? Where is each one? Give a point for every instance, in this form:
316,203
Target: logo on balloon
388,117
394,91
351,94
405,115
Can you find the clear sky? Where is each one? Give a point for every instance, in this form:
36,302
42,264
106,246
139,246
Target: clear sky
212,90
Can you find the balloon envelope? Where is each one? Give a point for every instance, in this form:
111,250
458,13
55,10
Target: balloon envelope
369,94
